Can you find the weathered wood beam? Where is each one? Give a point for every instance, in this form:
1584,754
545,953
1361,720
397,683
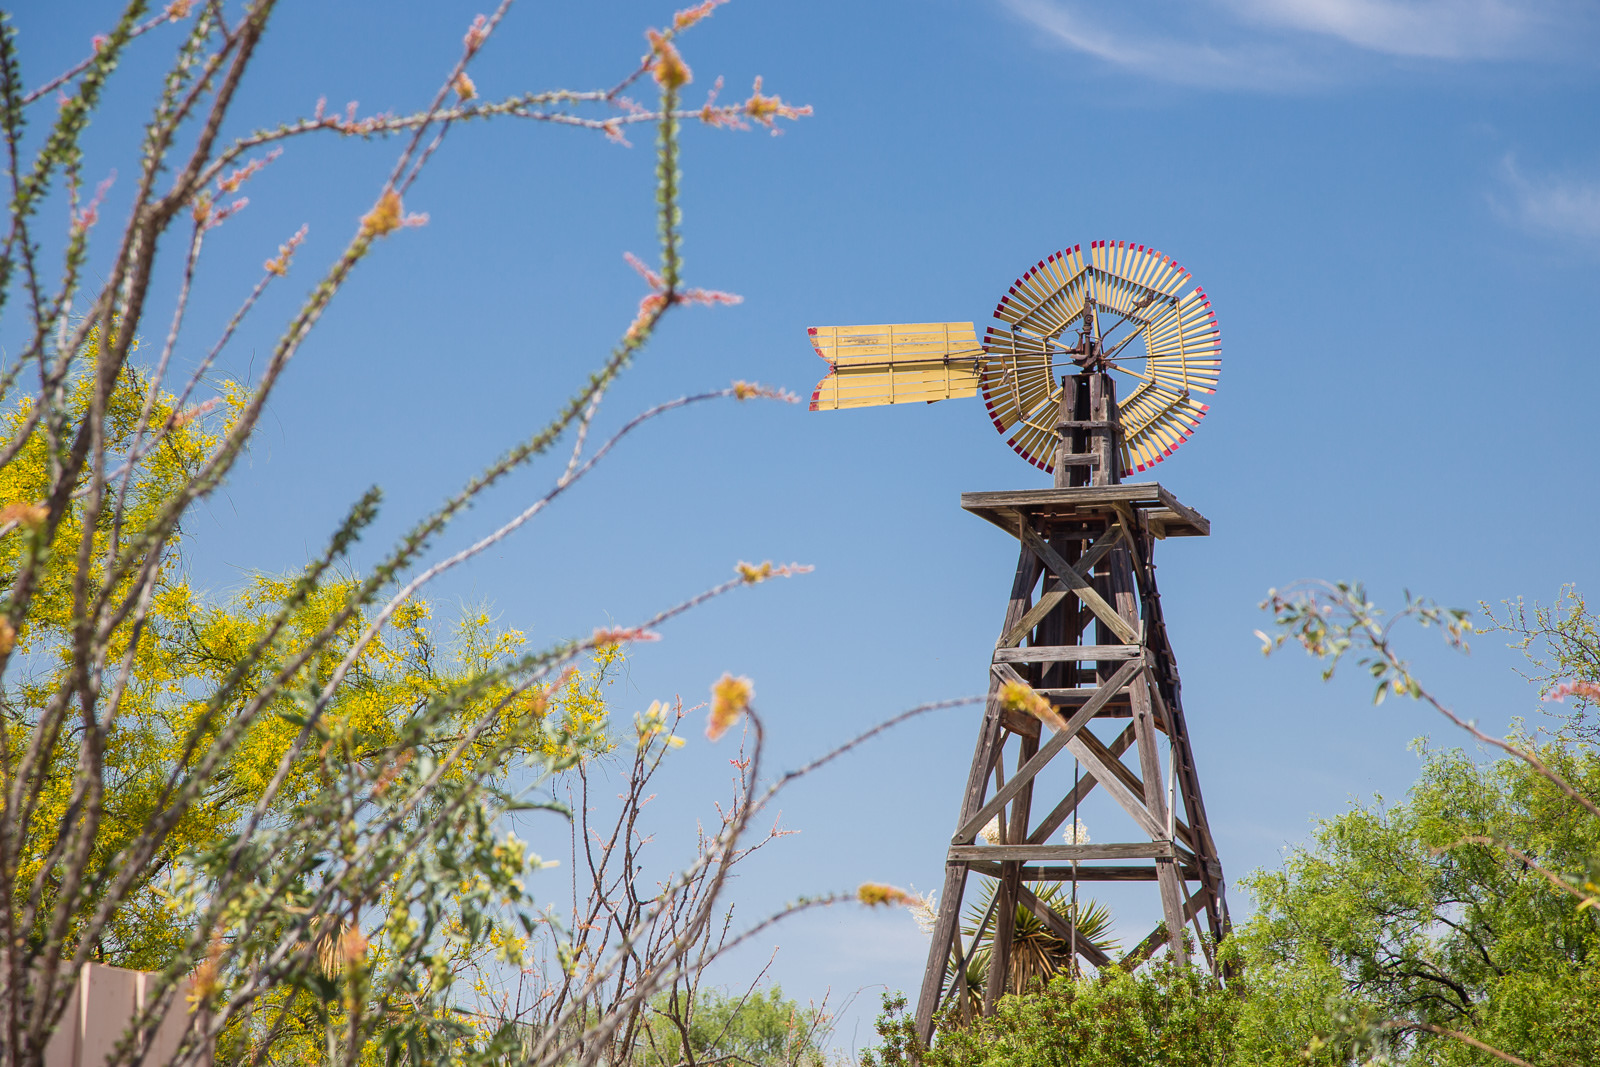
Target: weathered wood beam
1066,853
1124,592
1005,507
1079,584
1019,722
1086,784
1112,783
1065,586
1147,948
1068,653
1069,695
1144,873
968,830
1199,838
1133,782
946,926
1010,889
1189,515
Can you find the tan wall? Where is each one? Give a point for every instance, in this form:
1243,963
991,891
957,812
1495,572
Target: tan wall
104,1002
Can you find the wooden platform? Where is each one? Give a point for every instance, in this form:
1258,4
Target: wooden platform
1165,515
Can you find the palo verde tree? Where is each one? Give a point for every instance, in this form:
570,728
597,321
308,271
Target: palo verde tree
188,646
1462,926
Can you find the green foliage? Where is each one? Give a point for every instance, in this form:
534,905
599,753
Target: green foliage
1038,954
1411,913
1466,922
1176,1018
758,1029
191,648
897,1036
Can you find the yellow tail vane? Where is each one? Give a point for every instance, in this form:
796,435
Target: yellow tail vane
1146,319
896,363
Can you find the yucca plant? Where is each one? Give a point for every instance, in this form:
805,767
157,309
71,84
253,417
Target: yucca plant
1037,953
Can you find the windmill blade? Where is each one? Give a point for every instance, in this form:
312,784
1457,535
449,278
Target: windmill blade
1185,345
1048,296
1182,343
896,364
1155,420
1021,392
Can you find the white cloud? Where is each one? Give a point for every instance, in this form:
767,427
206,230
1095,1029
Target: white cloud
1563,206
1167,58
1287,44
1433,29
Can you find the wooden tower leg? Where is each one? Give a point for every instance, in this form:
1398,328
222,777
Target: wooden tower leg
945,942
1144,734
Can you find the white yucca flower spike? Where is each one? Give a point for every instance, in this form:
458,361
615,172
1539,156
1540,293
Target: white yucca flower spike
991,831
925,911
1075,835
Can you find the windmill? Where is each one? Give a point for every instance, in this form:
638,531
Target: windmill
1083,627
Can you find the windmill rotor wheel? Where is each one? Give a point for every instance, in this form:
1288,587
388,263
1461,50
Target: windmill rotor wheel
1115,306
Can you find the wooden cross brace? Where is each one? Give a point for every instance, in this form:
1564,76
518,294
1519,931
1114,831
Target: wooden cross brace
1071,580
967,832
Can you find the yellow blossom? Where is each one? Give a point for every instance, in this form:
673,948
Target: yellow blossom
746,390
730,698
691,15
765,109
752,573
385,216
279,265
464,87
1018,696
872,894
352,946
669,69
653,723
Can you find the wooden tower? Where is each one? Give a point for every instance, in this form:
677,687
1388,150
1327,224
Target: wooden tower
1083,628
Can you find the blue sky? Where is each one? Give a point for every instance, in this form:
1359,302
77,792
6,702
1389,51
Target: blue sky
1394,206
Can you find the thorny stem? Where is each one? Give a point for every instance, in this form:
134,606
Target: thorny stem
114,574
1315,624
1528,861
1457,1035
